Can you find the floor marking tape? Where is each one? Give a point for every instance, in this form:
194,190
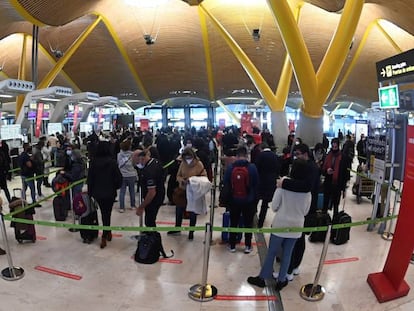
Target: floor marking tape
59,273
41,238
168,260
170,223
334,261
245,298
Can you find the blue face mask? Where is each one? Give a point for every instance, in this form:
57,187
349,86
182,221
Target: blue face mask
140,166
69,152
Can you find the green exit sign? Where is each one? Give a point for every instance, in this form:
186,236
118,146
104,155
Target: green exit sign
389,97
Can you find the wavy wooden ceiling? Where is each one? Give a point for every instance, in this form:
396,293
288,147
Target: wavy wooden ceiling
176,61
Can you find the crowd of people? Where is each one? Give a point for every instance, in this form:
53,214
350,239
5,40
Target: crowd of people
162,164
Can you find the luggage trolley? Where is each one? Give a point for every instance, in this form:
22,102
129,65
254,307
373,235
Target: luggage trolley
363,186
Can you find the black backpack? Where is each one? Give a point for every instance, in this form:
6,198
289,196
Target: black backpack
150,248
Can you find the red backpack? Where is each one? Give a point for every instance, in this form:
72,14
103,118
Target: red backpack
240,182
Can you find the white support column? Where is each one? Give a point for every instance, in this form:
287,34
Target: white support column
310,130
280,129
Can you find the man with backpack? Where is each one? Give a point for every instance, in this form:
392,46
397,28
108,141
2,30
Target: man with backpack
243,179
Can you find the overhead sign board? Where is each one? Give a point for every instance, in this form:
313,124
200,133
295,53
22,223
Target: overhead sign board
389,97
396,66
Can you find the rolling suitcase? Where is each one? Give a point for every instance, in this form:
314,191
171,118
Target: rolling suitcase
341,236
89,217
226,224
319,219
61,205
22,232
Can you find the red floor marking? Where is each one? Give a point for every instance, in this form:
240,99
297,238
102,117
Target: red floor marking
234,297
168,260
41,238
170,223
59,273
333,261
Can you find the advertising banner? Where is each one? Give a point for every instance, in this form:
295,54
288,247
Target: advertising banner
38,129
144,124
75,119
376,147
390,284
246,123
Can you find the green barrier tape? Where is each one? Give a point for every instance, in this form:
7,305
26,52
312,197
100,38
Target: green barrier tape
14,170
168,164
46,198
196,228
41,176
112,228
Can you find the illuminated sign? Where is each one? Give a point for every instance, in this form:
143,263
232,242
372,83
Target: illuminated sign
389,97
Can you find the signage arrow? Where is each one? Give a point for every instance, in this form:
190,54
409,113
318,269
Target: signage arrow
383,72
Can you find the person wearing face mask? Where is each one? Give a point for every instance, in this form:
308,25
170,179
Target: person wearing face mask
151,181
77,171
190,166
334,170
68,162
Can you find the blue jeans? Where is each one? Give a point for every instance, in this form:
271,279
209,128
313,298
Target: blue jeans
29,184
130,183
278,245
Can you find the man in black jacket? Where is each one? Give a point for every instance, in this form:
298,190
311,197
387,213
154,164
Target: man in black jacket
268,167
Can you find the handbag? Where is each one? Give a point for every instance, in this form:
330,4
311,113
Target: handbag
179,197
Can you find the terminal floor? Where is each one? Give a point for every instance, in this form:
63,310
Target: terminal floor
111,280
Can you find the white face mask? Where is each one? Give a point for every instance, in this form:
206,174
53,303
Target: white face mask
189,146
189,161
140,166
68,152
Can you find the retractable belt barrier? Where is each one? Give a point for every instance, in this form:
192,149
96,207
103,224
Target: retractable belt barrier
199,292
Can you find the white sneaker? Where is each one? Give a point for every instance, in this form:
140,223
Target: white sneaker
122,210
289,277
231,250
248,249
296,271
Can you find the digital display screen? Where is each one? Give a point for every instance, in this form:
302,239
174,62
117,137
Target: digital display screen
31,115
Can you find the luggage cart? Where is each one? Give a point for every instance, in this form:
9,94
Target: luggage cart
363,186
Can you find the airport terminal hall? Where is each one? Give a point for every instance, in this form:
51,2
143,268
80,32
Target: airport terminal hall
205,155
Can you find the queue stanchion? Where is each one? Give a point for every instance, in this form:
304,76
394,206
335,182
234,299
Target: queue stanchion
141,218
11,273
204,292
388,235
73,212
213,202
314,291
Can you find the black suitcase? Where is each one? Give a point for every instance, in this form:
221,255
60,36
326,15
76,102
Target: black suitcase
61,205
90,217
319,219
340,236
22,232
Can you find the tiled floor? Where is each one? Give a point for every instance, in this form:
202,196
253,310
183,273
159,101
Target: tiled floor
111,280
